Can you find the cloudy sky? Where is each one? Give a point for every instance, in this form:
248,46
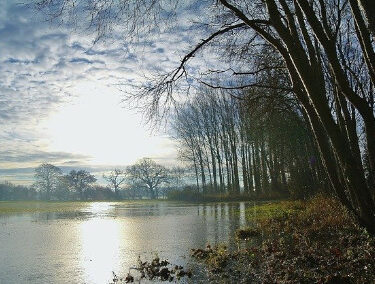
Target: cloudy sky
60,100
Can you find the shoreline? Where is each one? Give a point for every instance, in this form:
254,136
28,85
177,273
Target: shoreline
295,242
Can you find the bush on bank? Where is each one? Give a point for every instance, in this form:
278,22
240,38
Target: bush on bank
315,241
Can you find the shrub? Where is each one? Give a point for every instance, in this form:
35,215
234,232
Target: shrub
187,194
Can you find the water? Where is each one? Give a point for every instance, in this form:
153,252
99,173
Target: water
86,245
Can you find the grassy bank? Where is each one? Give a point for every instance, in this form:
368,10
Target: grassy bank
298,242
12,207
188,195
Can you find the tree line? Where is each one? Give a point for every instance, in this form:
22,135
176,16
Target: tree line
144,179
260,145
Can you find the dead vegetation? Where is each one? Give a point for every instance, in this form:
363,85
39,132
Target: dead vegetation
300,242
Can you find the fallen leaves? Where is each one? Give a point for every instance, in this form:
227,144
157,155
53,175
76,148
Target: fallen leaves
312,242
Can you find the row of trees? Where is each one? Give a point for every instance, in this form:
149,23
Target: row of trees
50,180
327,52
143,179
9,191
261,143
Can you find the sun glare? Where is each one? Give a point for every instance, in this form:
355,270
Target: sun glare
100,242
95,124
99,207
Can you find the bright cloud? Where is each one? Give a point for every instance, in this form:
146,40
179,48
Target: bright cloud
59,100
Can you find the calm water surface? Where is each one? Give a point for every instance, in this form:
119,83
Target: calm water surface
85,246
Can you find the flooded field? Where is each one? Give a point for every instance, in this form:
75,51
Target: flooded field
88,244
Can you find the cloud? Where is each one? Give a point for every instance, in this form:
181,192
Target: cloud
38,157
42,64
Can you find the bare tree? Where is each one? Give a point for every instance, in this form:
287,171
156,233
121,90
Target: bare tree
63,188
80,180
47,178
177,174
150,175
115,179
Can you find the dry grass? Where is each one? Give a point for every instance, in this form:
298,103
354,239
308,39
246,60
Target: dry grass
315,241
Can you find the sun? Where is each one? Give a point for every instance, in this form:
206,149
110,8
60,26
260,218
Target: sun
96,124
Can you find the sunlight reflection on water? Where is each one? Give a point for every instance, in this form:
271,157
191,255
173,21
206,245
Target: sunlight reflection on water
86,245
99,207
100,248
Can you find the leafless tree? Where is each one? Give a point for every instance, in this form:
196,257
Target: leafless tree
80,180
256,142
150,175
115,179
47,178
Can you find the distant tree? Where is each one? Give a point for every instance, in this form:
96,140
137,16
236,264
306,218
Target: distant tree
177,175
99,192
62,190
115,178
47,178
134,190
149,175
6,191
10,191
80,181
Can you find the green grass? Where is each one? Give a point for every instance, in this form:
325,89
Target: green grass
278,209
12,207
188,195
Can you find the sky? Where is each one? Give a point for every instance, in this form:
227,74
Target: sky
61,97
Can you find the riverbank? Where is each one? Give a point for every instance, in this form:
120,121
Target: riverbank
188,195
295,242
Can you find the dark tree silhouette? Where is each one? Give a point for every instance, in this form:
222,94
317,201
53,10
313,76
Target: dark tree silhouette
262,140
115,179
47,178
150,175
80,181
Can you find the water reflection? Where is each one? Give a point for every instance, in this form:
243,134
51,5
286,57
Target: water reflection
99,207
100,248
86,245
